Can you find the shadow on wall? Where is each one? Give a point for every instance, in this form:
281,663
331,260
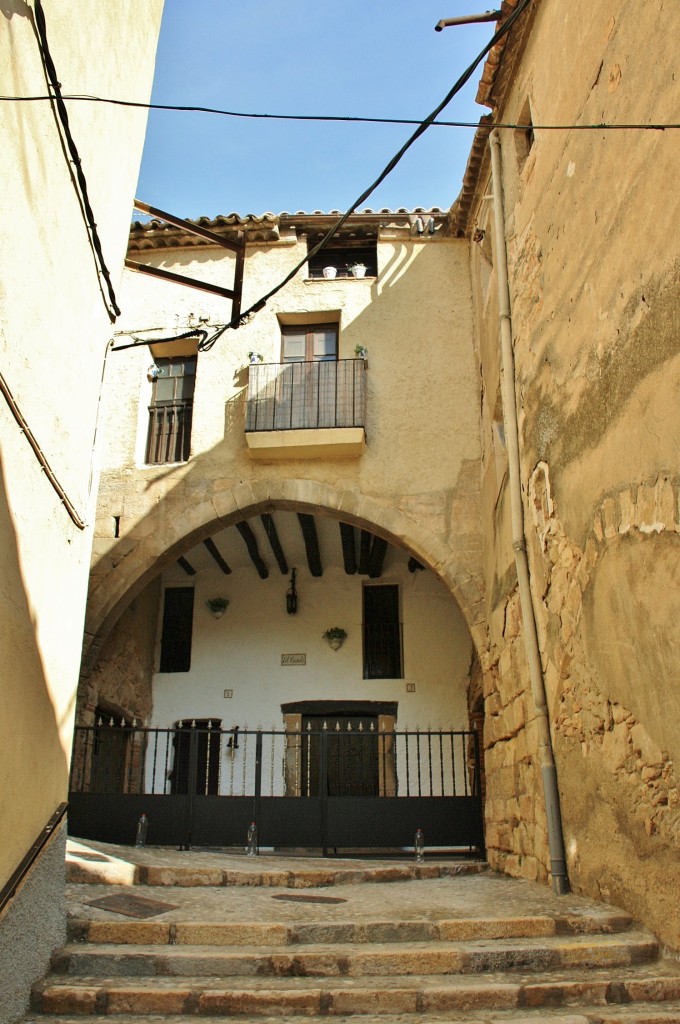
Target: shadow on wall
35,767
400,499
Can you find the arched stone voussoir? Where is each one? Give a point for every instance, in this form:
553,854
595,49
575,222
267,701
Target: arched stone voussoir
178,526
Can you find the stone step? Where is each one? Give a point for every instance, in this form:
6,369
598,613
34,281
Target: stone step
220,871
341,960
279,933
635,1013
257,996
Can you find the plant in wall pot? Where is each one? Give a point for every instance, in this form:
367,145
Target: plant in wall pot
358,269
255,357
335,637
218,606
361,352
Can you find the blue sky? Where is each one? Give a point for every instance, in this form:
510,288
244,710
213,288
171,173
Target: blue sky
356,57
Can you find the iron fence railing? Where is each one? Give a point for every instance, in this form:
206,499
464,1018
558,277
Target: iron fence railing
306,395
336,760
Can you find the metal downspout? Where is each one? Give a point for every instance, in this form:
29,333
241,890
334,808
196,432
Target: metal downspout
558,864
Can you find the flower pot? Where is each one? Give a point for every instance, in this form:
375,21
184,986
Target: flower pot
358,270
335,642
330,272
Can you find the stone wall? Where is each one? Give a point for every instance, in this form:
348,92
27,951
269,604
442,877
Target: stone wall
593,273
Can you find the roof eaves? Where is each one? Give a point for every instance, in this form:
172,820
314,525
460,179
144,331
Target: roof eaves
503,57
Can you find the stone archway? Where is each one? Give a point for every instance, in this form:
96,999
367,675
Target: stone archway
171,527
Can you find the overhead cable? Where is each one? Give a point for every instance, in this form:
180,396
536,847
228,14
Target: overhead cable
389,167
338,118
80,183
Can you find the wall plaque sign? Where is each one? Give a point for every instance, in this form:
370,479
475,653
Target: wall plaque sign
293,659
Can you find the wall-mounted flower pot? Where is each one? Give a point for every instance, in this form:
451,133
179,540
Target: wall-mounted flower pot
358,270
335,637
330,272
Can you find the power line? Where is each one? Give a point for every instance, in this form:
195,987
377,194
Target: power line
339,118
79,181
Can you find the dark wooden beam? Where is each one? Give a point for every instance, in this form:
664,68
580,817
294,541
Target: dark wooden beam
414,565
376,558
212,548
187,566
309,534
273,537
364,552
349,551
251,543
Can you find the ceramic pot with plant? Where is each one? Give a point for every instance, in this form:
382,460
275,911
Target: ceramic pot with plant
358,270
335,637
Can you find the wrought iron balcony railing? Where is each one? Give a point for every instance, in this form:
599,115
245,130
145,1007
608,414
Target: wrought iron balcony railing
306,395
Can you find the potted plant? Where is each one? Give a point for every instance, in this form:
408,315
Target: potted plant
218,606
358,269
255,357
335,637
329,272
361,352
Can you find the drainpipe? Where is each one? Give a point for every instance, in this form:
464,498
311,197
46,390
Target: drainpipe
558,864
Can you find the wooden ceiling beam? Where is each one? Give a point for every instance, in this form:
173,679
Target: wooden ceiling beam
187,566
273,537
349,550
250,541
311,539
414,565
376,558
214,551
364,552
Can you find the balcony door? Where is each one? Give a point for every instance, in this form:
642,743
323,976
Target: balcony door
306,388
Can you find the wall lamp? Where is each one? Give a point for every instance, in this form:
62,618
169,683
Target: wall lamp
291,595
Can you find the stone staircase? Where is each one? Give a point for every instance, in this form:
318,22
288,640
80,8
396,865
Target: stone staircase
301,941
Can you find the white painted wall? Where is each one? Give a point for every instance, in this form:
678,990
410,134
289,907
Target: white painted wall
242,651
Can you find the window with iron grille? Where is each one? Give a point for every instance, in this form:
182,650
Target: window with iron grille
382,632
171,409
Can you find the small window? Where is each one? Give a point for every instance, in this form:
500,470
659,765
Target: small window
309,343
524,135
171,410
342,258
382,633
178,614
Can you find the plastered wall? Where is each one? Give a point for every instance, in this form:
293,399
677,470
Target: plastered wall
54,328
417,479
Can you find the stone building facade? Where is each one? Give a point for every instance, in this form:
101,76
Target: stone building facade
588,231
593,270
411,480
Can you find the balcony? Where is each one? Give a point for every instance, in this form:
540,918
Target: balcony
305,410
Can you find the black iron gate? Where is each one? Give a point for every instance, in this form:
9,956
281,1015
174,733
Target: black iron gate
334,784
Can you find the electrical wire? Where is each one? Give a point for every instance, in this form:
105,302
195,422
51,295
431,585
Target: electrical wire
342,118
138,342
40,455
81,189
244,317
